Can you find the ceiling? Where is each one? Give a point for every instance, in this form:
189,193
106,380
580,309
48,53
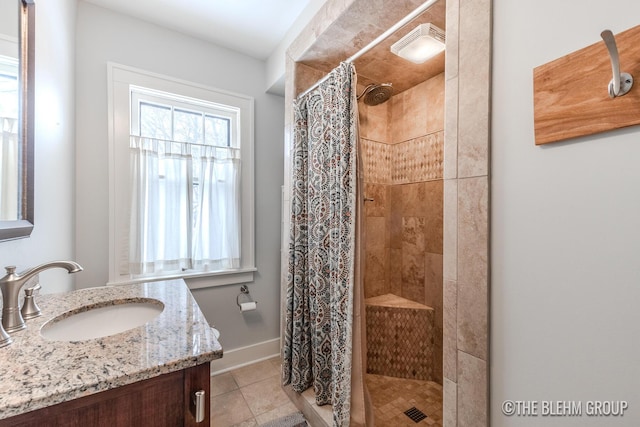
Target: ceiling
252,27
258,27
358,26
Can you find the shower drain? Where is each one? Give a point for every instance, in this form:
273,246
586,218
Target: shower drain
415,414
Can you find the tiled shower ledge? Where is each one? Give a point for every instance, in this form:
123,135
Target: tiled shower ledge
391,300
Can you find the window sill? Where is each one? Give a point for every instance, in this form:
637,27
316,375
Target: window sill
197,280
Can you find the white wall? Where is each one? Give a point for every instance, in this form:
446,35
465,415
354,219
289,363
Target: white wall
102,36
53,234
565,229
9,18
276,62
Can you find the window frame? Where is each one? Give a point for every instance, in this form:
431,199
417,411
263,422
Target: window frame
141,95
120,80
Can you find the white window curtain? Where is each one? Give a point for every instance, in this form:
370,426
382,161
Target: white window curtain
168,231
9,168
217,227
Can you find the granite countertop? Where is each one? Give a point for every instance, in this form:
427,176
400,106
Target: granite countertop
36,373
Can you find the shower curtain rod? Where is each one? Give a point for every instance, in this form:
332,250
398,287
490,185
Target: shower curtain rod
401,23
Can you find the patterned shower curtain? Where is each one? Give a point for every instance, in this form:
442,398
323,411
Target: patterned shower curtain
317,350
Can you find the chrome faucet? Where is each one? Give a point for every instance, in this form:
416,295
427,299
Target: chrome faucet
10,286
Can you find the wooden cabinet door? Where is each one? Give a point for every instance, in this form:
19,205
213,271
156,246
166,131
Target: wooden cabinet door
195,379
161,401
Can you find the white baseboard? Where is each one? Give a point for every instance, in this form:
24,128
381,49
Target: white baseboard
243,356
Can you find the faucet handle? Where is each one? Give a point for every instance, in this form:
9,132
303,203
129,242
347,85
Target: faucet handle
29,291
10,269
29,308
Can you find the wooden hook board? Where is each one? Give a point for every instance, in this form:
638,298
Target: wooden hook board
570,94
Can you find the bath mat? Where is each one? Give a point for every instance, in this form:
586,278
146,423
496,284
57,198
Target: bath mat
291,420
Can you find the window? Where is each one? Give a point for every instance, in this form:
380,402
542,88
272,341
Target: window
9,141
8,87
184,207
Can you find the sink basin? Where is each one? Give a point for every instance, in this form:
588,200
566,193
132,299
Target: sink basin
101,320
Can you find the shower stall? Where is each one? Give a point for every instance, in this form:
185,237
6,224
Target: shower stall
402,143
401,148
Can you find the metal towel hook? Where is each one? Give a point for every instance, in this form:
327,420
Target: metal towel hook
621,82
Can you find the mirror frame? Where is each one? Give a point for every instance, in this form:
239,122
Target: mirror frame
22,227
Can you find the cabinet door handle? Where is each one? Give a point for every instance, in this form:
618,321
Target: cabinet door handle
199,403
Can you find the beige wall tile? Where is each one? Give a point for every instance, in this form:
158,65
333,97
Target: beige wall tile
375,271
472,265
395,271
413,199
472,319
374,121
433,213
388,205
435,156
474,88
413,235
400,341
417,160
413,274
408,116
450,340
376,161
433,284
450,163
473,132
413,278
450,229
328,14
375,287
418,111
375,236
473,224
414,112
376,260
395,218
437,356
305,77
472,391
387,266
435,103
378,206
399,166
450,403
434,298
452,30
395,115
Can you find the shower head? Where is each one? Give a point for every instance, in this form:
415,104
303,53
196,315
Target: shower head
375,94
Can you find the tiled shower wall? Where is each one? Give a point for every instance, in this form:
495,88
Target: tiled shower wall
466,188
402,145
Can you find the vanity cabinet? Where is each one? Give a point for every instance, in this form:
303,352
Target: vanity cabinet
166,400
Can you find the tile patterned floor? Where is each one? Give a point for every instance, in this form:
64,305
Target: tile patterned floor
392,396
249,396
